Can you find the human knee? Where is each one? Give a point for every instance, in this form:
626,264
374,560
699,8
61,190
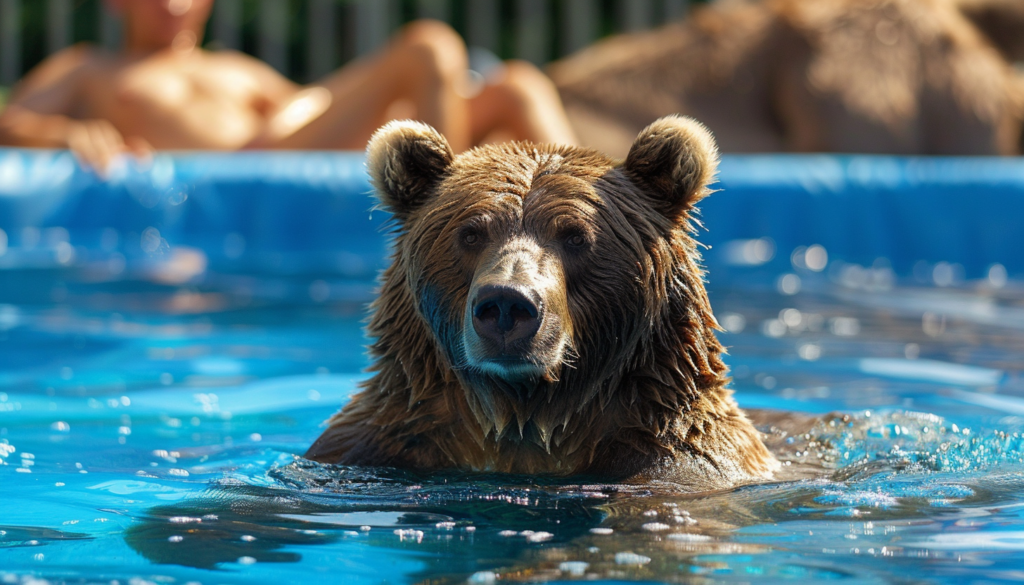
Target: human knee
526,75
435,46
524,80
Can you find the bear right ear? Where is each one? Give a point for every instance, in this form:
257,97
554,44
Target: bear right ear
406,160
676,159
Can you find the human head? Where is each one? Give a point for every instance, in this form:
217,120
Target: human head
153,25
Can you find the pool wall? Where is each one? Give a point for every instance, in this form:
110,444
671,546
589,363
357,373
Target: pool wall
311,213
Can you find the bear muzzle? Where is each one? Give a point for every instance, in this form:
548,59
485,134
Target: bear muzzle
509,329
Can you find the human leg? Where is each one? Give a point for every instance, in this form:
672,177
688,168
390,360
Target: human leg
521,103
425,65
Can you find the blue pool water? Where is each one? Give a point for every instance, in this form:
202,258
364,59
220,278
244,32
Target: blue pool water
155,389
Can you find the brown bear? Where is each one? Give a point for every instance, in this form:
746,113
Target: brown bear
867,76
545,314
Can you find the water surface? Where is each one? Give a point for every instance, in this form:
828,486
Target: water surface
150,431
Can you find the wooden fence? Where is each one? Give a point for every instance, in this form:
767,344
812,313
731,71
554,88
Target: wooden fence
306,39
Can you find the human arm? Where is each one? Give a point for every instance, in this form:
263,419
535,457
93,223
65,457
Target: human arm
45,111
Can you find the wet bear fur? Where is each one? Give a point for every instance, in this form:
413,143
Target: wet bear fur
623,378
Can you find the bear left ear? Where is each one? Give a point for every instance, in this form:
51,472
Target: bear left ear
676,158
406,160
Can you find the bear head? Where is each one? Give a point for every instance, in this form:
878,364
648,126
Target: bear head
548,302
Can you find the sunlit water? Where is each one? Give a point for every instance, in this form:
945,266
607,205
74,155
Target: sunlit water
150,432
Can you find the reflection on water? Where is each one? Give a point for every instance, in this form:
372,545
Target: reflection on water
148,430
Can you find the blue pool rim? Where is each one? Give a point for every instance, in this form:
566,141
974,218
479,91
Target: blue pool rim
313,213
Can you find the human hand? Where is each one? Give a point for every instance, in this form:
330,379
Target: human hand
97,143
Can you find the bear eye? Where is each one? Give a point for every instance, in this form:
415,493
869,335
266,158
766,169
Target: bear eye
575,239
470,237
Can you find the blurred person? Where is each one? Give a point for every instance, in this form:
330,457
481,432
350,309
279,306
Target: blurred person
163,91
859,76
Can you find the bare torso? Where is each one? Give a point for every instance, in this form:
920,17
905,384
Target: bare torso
199,99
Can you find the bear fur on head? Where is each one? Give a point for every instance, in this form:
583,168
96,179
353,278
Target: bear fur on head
545,313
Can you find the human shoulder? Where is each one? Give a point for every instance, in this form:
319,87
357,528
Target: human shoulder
63,68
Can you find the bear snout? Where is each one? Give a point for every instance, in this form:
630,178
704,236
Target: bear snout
506,317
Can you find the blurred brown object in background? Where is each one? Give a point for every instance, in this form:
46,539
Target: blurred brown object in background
1002,21
868,76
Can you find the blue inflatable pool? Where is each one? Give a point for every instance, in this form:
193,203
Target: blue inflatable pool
173,336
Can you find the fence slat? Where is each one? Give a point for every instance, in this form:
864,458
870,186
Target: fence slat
374,20
437,9
227,23
322,49
110,28
579,24
58,25
675,10
635,15
483,24
10,41
272,40
532,30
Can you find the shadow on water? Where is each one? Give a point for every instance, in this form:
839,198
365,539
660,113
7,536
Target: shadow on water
308,504
902,477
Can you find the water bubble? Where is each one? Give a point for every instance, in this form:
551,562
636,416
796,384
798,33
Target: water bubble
791,317
773,328
574,568
60,427
150,240
248,538
809,352
601,531
788,284
628,558
410,534
749,252
733,322
844,326
483,577
685,537
539,537
175,538
911,351
816,258
246,561
655,527
997,276
63,253
942,274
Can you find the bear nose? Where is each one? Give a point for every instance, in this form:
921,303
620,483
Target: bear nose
505,315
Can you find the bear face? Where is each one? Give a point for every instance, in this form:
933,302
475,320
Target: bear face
545,313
